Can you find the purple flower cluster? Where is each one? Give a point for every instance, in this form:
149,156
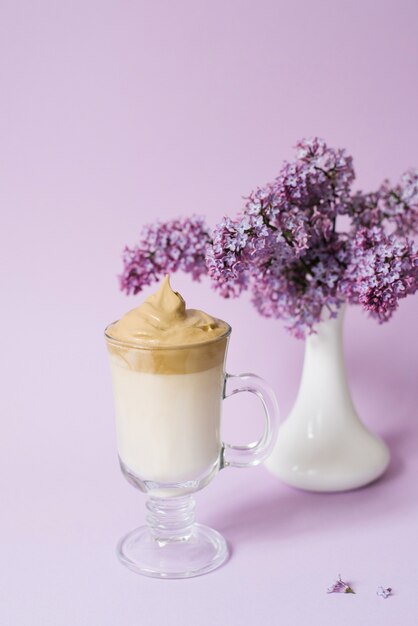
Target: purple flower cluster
382,270
165,247
286,249
298,291
284,246
394,208
402,204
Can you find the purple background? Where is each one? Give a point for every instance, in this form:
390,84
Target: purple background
113,113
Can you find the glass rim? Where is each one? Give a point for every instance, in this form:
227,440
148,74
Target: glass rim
181,346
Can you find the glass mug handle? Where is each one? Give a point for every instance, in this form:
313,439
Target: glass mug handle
256,452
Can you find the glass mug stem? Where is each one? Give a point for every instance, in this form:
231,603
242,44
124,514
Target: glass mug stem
171,519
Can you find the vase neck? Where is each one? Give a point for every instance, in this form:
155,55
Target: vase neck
324,372
328,335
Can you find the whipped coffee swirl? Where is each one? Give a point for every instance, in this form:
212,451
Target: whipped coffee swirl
162,336
163,320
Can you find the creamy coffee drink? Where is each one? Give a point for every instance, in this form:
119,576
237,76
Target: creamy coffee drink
167,367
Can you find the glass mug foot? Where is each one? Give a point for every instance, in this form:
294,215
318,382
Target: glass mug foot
172,545
202,552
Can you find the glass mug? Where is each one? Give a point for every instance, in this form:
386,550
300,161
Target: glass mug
168,410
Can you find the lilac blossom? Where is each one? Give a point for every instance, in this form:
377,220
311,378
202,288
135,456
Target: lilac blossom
394,208
165,247
284,246
298,291
384,592
402,203
340,587
382,270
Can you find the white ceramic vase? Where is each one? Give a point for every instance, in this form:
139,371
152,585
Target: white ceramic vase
323,445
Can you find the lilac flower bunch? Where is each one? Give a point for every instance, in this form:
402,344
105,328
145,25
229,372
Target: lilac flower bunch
395,208
165,247
382,270
285,247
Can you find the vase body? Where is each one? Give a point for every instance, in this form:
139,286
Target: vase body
323,445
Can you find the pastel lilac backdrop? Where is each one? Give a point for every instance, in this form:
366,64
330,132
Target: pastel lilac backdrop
113,113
